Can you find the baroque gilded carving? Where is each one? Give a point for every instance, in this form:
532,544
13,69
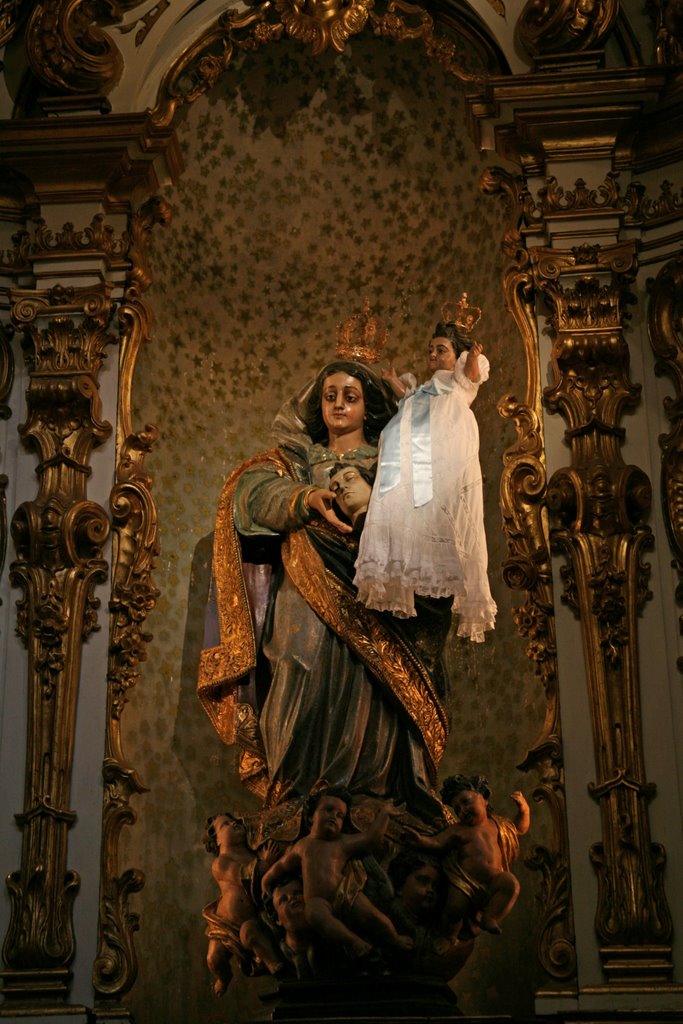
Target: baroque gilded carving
641,208
12,14
6,379
527,569
320,24
58,539
133,596
99,237
664,327
600,507
564,27
68,50
634,207
668,20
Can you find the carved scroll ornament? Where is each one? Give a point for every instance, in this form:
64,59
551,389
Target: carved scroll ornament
12,14
527,570
133,596
6,379
67,49
320,24
664,327
58,539
565,26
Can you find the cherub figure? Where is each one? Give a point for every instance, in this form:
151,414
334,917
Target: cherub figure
289,912
424,528
335,906
479,850
420,888
418,885
234,927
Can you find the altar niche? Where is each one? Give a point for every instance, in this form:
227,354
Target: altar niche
370,159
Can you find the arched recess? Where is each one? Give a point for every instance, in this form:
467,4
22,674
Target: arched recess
199,71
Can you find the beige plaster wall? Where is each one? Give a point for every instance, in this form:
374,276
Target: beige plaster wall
309,186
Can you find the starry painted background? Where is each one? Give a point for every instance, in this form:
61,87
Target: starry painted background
310,185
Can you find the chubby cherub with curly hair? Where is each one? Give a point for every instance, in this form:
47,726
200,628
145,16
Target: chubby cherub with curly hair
234,927
333,879
477,853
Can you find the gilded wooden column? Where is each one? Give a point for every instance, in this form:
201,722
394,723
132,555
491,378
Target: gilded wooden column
58,538
601,506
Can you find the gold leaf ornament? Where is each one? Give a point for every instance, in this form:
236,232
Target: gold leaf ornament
323,23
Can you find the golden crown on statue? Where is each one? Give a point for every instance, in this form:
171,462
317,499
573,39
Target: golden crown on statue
362,337
461,314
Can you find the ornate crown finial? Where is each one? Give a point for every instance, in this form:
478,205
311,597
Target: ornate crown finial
362,337
461,314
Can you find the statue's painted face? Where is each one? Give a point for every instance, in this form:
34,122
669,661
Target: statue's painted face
229,829
420,889
343,404
441,354
288,903
470,807
352,490
328,817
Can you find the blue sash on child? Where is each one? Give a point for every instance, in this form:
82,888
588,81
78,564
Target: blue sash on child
420,447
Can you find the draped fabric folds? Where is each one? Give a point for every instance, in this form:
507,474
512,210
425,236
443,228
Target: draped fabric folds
308,682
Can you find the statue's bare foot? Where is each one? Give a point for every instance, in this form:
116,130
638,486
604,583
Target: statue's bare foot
219,987
489,924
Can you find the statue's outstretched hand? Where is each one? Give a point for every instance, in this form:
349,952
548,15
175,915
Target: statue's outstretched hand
320,501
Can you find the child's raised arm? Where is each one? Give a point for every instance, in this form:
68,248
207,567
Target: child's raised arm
394,381
522,819
472,362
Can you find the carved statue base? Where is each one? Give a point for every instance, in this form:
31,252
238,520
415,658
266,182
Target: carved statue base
368,998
